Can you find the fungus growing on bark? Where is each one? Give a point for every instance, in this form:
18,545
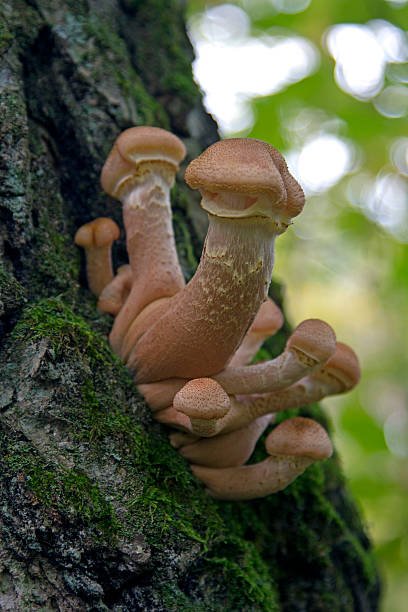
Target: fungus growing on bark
188,346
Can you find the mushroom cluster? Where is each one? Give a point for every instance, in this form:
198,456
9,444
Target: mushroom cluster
189,345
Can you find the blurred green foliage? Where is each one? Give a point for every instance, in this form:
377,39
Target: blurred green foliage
342,262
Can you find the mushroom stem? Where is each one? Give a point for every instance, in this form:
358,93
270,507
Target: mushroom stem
156,272
293,445
206,321
226,450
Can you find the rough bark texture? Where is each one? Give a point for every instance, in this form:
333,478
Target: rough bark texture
97,512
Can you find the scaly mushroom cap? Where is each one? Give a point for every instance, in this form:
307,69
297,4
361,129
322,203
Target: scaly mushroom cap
299,437
98,233
248,167
313,339
343,367
136,146
202,398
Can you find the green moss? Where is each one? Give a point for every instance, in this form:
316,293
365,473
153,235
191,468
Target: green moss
6,37
68,491
12,293
113,48
56,264
53,319
163,56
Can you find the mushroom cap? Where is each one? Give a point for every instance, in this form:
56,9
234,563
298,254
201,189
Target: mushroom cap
247,166
135,146
344,366
268,319
202,398
299,437
97,233
314,338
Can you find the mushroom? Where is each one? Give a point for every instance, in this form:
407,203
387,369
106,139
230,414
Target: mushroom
139,171
308,348
293,446
96,238
188,345
204,402
340,374
250,198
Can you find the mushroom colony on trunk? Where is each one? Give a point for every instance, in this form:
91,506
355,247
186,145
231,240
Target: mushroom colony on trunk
188,346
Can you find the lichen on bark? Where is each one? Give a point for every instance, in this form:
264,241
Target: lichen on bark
97,511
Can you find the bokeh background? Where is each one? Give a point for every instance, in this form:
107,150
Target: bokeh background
326,82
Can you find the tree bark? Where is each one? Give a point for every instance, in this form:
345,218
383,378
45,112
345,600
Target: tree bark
97,511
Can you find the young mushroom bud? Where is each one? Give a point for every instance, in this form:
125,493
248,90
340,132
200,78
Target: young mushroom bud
250,198
204,402
140,171
96,238
293,446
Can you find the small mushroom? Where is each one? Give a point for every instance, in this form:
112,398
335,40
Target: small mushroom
96,238
308,348
341,373
293,446
204,402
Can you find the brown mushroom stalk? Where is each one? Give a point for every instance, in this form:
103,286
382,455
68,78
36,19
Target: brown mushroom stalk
97,238
225,450
293,446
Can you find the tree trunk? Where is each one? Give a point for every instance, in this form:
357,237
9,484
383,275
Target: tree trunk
97,511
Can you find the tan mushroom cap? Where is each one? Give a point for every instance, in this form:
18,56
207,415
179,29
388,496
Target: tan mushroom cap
247,166
343,366
97,233
202,398
314,338
299,437
135,146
